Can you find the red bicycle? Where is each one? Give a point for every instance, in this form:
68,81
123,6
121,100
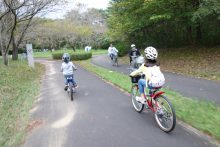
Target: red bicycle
156,101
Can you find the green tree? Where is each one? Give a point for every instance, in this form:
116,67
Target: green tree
164,22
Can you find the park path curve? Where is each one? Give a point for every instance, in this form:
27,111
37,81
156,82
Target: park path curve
100,116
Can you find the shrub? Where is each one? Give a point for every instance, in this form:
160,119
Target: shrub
122,48
73,55
81,56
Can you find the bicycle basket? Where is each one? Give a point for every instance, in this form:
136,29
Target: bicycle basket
135,79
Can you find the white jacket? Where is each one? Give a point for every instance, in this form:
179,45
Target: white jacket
112,50
67,68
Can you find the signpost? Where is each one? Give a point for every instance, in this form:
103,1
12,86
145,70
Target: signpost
30,55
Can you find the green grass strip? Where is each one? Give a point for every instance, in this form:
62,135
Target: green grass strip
201,114
19,85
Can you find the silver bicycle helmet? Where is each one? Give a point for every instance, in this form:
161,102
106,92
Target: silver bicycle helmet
66,57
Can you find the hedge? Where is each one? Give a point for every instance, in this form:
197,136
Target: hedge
73,56
122,48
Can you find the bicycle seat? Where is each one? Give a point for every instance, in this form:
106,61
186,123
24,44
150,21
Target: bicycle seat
154,89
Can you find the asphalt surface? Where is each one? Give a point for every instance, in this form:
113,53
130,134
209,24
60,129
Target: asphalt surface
187,86
100,116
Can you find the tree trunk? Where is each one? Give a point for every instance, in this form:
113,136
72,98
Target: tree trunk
189,35
73,47
5,59
198,27
198,33
15,49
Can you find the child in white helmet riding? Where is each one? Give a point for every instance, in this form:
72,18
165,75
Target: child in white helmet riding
67,68
133,52
154,78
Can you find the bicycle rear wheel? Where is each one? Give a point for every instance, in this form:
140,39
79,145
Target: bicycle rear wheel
165,114
137,105
71,90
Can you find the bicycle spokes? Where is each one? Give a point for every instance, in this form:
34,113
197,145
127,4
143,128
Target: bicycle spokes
137,105
165,115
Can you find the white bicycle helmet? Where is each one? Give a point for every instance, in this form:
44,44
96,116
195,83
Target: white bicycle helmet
133,45
151,53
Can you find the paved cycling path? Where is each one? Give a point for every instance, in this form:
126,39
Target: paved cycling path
99,116
187,86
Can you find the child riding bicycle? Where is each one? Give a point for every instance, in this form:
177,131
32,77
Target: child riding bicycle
67,68
154,78
134,52
112,51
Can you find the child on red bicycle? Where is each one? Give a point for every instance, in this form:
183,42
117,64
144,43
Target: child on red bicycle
154,78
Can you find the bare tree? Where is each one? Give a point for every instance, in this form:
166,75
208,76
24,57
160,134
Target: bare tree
25,16
15,19
8,24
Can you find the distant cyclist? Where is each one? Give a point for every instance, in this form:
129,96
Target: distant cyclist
112,51
154,78
67,68
134,52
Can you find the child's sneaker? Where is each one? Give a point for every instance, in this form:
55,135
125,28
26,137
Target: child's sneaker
141,100
66,87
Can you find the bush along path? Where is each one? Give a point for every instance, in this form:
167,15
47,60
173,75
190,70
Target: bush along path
78,55
187,86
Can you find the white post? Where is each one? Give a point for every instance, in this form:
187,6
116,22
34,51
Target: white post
30,55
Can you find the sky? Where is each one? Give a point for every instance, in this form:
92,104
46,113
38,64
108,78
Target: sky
99,4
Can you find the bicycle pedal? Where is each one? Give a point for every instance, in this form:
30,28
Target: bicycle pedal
146,106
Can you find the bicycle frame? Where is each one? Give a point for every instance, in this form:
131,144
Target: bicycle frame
71,88
151,97
159,104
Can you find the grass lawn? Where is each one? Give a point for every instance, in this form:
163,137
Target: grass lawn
19,85
202,115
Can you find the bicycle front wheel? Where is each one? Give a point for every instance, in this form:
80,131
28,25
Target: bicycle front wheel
116,60
165,114
137,105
